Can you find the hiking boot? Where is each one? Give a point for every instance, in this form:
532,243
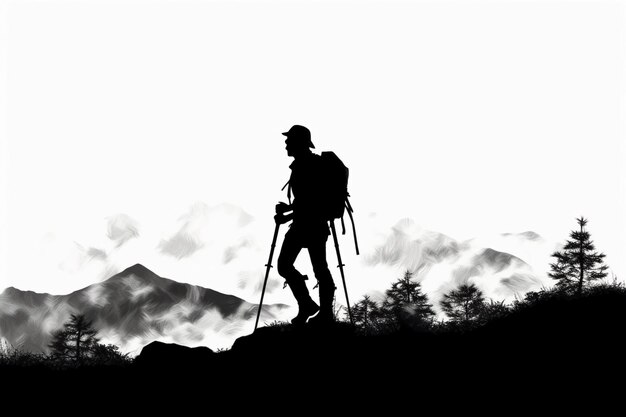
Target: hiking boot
326,315
322,319
304,312
306,306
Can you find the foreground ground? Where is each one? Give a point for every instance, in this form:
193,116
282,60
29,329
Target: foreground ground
562,351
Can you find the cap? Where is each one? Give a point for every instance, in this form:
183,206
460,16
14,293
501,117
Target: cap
301,133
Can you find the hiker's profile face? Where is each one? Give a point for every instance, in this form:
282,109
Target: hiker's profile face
291,147
296,146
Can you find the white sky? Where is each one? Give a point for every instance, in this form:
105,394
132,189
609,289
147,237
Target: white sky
470,117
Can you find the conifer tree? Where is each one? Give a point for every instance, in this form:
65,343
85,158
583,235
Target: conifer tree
578,263
405,301
365,312
75,341
463,305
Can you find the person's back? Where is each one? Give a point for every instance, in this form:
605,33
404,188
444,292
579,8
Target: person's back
308,192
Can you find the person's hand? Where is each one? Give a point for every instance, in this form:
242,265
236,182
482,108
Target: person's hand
281,218
282,208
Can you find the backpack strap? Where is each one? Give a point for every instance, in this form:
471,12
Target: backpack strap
288,190
350,210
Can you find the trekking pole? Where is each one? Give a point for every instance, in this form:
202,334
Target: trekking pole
267,274
340,266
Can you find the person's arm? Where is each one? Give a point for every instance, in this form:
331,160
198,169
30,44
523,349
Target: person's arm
282,208
283,218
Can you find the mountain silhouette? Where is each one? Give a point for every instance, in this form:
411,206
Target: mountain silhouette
409,246
497,260
131,309
496,264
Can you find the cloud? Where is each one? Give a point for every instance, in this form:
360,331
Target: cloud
462,274
188,239
181,245
122,228
97,254
232,252
529,235
202,225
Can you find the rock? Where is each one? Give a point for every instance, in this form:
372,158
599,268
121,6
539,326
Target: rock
169,355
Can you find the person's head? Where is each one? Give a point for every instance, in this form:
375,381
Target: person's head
298,141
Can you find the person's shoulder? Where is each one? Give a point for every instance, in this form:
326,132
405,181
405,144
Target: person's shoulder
317,157
318,160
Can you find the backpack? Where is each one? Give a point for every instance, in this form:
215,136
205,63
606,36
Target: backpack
336,197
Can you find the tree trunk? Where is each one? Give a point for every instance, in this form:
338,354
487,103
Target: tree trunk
408,290
365,317
466,308
581,257
78,337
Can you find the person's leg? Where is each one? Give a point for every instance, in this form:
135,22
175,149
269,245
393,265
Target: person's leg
317,253
290,249
288,254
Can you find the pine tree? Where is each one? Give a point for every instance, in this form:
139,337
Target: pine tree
577,264
75,341
365,312
463,305
405,302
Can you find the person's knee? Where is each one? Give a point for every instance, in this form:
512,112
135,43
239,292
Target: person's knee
285,269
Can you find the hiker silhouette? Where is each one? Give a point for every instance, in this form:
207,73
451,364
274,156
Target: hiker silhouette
309,228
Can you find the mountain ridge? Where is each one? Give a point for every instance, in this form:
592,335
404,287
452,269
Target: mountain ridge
131,308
